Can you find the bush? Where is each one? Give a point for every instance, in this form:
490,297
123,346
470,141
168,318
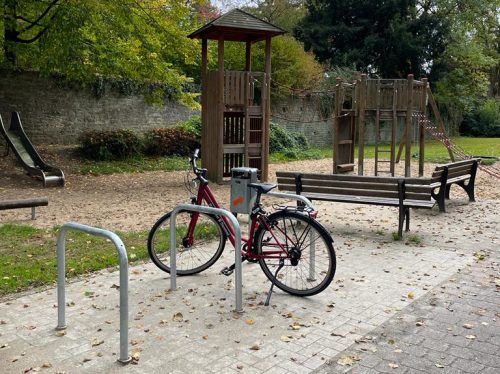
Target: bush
192,126
169,142
281,140
483,120
110,144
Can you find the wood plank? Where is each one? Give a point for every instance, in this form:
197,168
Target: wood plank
457,164
25,203
341,177
341,191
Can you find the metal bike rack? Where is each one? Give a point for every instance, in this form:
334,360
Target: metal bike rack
304,199
237,245
61,295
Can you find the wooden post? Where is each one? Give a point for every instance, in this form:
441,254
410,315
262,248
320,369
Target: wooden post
361,123
204,87
248,56
265,124
336,123
220,109
421,130
409,113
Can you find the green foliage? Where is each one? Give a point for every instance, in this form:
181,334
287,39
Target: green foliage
281,140
192,126
389,38
291,66
170,141
282,13
483,121
81,40
110,144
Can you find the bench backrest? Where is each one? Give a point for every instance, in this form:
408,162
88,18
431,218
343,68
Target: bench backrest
455,169
353,185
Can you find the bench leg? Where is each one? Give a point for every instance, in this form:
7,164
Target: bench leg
447,193
440,199
469,189
402,215
407,217
33,213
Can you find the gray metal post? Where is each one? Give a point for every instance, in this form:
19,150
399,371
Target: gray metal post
61,281
33,213
237,246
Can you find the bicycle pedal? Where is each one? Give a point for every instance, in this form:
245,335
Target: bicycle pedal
227,271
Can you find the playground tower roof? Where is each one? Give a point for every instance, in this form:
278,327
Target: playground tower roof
238,26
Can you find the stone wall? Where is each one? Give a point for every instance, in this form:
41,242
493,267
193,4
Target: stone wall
303,117
51,114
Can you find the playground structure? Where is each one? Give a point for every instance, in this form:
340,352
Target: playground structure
235,104
398,107
393,106
27,154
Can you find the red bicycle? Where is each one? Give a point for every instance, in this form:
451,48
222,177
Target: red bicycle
293,249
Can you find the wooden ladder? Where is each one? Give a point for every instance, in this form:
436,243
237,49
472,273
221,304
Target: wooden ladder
387,115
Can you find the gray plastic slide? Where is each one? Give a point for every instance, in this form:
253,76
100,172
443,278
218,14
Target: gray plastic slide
27,154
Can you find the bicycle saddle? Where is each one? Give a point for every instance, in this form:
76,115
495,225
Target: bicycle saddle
262,187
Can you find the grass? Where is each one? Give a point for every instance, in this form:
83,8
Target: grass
28,256
434,150
134,165
414,239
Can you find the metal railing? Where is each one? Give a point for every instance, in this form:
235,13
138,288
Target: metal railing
237,246
61,281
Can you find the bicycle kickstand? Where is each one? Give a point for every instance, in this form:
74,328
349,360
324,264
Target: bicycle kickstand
228,270
280,266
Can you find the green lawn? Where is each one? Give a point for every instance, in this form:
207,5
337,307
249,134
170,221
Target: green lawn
28,255
434,150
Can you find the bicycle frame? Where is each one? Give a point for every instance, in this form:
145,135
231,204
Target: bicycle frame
205,195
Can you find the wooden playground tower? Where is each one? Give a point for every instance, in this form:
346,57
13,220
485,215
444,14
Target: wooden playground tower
235,104
389,103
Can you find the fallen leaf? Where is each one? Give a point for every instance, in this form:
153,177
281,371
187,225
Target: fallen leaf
472,337
411,295
178,317
468,325
439,366
348,360
46,365
60,333
249,322
255,347
205,337
392,365
94,342
419,323
286,338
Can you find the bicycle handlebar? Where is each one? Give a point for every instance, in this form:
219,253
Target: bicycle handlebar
200,173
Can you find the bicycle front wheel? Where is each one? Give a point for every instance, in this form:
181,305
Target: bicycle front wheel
305,248
197,249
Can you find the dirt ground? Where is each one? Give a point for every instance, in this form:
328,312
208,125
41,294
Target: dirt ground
134,201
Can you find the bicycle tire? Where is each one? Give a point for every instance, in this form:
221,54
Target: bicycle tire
190,259
311,277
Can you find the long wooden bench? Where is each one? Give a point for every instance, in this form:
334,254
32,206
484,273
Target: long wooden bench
25,203
462,173
404,193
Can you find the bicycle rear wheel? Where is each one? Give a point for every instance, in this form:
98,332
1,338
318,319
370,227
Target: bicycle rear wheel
194,254
306,249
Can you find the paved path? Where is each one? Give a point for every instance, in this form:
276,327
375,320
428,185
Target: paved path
379,284
455,328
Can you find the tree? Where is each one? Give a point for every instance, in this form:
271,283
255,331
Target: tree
140,43
390,38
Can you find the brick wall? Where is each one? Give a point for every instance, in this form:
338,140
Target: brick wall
54,115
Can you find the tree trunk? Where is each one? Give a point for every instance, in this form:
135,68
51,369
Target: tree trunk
10,31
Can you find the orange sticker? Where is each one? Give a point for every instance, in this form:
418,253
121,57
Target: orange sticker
238,201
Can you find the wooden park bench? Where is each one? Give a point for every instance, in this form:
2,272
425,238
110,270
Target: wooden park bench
403,193
25,203
462,173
